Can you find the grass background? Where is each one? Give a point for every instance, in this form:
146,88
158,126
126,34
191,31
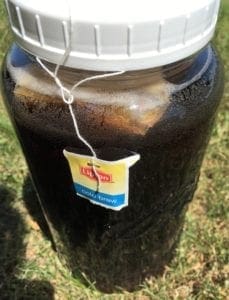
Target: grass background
29,268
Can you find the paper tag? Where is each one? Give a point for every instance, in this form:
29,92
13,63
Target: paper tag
113,189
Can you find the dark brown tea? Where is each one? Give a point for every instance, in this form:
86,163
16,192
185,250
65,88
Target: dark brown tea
166,116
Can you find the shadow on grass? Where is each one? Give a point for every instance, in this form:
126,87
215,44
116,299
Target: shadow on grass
12,252
34,209
33,206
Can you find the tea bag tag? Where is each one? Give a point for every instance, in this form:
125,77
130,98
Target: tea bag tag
113,191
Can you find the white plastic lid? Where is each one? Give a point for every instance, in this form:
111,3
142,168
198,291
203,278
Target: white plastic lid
112,35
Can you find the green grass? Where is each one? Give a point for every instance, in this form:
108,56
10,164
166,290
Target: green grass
29,268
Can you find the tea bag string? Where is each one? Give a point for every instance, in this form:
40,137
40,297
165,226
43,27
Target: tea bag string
68,96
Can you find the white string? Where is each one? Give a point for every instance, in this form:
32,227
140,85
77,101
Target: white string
68,97
106,75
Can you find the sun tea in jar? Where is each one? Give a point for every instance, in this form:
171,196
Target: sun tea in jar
113,103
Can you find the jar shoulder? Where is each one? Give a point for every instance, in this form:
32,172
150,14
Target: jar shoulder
164,101
162,84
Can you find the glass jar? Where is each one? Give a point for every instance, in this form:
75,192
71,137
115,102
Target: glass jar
164,114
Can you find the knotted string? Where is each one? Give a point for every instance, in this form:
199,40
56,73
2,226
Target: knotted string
68,94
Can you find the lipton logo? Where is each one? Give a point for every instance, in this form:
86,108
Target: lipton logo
88,172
